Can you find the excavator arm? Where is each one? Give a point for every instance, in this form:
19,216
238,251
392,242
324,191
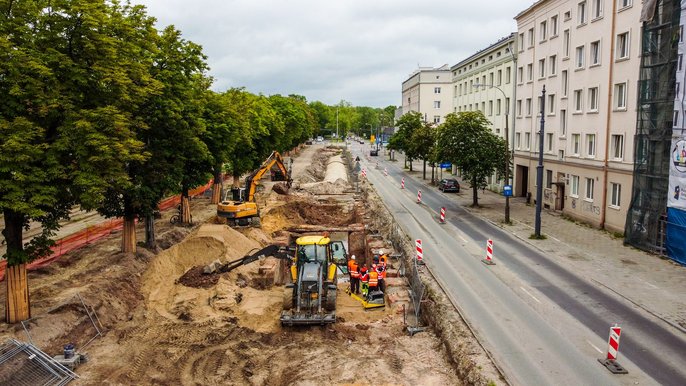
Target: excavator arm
253,180
270,250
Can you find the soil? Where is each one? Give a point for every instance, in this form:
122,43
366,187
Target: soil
164,322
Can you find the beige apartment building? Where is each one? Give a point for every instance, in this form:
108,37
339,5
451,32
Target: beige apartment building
587,55
427,91
485,82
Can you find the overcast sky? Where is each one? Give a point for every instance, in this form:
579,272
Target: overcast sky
359,51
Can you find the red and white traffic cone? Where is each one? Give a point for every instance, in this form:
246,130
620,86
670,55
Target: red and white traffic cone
419,196
442,218
364,173
402,183
612,351
385,172
489,253
420,251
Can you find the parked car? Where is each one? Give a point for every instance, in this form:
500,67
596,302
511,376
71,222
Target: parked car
449,185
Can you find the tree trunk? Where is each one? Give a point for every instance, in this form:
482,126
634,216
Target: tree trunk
433,180
475,200
185,208
410,164
128,236
17,304
405,161
217,187
424,170
150,231
236,181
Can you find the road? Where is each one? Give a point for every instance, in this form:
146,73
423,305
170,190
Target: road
542,323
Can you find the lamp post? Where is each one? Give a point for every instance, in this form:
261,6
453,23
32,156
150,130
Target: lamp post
337,123
539,170
507,147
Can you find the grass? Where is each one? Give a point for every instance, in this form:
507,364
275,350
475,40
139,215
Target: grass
534,237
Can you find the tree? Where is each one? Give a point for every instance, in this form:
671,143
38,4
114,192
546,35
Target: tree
465,139
402,139
422,144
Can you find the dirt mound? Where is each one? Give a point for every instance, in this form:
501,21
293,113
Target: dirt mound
196,278
314,213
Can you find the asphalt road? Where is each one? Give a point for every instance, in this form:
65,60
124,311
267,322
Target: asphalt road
541,322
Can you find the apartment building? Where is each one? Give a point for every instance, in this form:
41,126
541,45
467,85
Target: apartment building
485,82
586,54
427,91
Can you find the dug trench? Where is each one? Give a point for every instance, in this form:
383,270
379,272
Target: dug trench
165,323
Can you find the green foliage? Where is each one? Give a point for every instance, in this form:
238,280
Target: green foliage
466,141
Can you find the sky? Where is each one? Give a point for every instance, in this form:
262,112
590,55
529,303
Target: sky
359,51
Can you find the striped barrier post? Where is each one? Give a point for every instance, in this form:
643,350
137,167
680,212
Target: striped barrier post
385,172
489,253
419,196
420,251
442,218
610,360
402,183
364,173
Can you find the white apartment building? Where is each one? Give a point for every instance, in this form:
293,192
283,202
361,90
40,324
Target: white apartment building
485,82
427,91
586,53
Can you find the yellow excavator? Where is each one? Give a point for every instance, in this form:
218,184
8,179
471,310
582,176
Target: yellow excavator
241,209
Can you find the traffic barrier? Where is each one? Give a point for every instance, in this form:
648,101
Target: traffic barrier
419,196
364,173
420,252
402,183
610,360
489,253
442,218
385,172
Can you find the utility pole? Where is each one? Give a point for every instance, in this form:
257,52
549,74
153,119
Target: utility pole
539,169
337,123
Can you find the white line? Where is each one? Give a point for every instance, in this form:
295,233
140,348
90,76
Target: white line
527,292
463,239
592,345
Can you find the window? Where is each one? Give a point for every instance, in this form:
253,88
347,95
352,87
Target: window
490,78
527,140
576,139
565,43
568,15
498,105
460,89
437,90
500,77
581,13
553,26
521,42
553,64
623,3
551,104
531,37
437,119
597,9
539,106
541,68
616,195
578,101
595,53
593,99
520,74
549,141
580,57
543,30
519,107
620,96
590,182
490,108
675,119
518,140
575,186
680,60
563,122
508,75
622,46
617,146
528,107
590,145
529,71
437,104
564,83
483,107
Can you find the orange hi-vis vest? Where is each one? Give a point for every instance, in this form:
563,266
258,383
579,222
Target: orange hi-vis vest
373,279
381,270
352,268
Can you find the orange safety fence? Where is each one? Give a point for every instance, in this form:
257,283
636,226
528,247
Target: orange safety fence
95,232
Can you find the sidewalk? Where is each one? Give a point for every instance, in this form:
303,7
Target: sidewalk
653,283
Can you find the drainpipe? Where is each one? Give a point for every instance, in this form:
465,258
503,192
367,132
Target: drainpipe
603,210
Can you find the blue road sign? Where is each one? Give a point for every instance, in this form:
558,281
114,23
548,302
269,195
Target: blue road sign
507,190
445,165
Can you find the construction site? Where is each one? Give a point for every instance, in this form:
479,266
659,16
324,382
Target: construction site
204,308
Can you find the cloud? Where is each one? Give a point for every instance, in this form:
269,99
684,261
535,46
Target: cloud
331,50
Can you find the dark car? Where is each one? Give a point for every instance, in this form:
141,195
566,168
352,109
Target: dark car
449,185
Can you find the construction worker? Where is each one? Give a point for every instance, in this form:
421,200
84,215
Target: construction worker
373,280
364,277
354,272
381,271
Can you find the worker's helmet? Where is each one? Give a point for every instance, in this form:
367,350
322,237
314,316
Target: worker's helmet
352,257
363,269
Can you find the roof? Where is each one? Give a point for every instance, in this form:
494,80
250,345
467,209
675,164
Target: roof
309,240
531,8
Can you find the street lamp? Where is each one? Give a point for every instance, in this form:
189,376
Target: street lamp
507,148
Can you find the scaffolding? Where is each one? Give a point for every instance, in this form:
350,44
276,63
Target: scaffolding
646,217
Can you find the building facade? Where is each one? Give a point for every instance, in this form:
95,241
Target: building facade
586,55
427,91
485,82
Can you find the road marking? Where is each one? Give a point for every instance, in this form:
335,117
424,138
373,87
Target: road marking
592,345
527,292
463,239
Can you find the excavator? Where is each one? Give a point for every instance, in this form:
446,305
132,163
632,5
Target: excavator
241,209
311,297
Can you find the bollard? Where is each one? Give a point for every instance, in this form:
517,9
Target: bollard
489,253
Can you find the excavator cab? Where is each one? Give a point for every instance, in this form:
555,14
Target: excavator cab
311,297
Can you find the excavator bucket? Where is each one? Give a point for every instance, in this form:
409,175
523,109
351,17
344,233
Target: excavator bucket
375,299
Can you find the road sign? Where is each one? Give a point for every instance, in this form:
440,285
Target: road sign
445,165
507,190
